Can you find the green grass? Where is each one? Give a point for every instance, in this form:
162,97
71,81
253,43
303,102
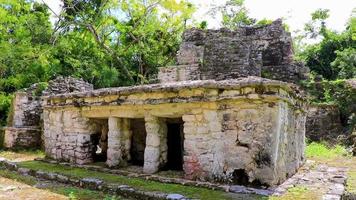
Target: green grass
319,150
298,192
82,194
22,154
190,192
14,176
69,191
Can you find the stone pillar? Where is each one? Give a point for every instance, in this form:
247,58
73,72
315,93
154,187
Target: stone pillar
126,139
156,144
114,153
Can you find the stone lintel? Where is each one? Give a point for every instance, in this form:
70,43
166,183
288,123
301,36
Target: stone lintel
181,92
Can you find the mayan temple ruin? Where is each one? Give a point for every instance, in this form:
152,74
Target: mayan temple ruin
228,112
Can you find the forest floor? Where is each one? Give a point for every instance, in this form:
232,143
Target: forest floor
18,186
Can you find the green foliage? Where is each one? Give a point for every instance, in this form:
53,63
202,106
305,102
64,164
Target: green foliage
319,150
235,15
264,21
317,26
144,36
72,196
5,102
333,57
203,25
337,92
25,33
345,63
107,43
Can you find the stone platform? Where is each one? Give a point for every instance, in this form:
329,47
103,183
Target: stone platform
22,137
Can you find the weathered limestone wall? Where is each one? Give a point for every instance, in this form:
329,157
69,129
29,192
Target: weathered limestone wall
67,136
220,142
264,51
179,73
248,131
323,123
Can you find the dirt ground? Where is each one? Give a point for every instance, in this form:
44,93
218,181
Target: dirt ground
13,190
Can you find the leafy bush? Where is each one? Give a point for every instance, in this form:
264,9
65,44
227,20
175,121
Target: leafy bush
345,63
5,102
337,92
323,151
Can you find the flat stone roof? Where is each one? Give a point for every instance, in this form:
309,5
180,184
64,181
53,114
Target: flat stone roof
250,81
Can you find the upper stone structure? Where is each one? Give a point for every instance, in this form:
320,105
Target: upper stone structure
62,85
264,51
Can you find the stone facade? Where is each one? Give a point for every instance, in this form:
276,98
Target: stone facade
25,123
323,123
246,131
264,51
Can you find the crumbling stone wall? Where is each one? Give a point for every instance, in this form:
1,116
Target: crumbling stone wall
62,85
323,123
264,51
23,129
249,129
26,121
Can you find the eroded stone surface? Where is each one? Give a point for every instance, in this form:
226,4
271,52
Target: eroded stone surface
264,51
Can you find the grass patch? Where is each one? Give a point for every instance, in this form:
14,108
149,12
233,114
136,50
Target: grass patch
73,193
22,155
83,194
17,177
299,192
190,192
319,150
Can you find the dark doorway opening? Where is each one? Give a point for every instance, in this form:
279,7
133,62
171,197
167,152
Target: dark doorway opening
100,140
175,143
138,141
240,177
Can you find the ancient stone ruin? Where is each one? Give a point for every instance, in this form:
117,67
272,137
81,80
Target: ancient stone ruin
209,117
25,121
264,51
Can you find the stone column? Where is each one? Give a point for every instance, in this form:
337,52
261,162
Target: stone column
156,144
126,139
114,153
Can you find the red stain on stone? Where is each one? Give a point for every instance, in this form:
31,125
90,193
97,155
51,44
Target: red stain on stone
192,168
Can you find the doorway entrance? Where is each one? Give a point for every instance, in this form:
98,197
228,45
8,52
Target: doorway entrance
175,143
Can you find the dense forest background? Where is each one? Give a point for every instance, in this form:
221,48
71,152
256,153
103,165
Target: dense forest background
123,42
